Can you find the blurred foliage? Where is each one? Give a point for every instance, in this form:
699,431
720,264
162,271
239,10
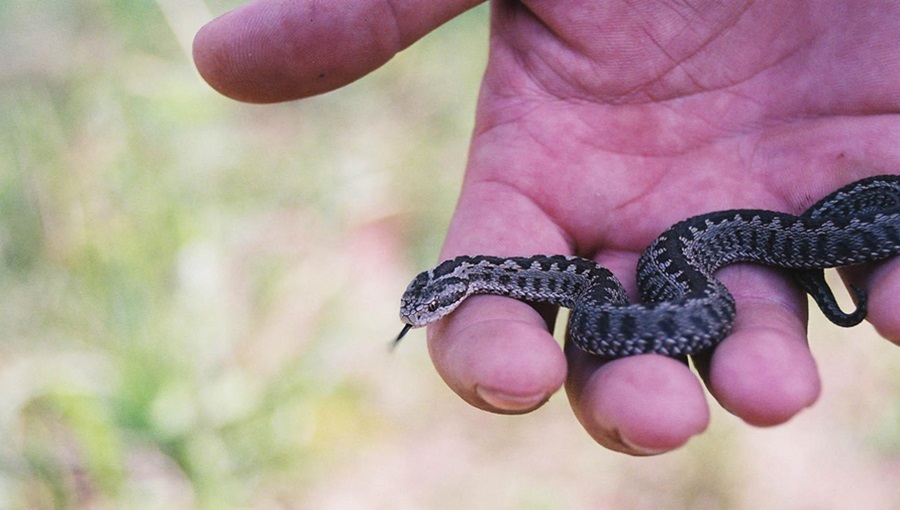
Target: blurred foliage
129,197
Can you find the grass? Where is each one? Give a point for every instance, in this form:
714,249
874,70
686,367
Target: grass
174,264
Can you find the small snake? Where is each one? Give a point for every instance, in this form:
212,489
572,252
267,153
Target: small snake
684,309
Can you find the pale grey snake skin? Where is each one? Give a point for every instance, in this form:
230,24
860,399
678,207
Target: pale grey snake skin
683,309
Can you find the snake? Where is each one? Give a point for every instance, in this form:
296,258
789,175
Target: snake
683,309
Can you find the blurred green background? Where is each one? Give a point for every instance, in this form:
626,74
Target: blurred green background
197,296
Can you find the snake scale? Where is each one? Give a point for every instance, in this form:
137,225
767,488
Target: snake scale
684,309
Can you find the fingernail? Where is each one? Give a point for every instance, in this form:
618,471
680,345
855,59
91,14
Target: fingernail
506,402
641,450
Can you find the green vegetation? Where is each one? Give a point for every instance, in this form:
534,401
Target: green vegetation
148,226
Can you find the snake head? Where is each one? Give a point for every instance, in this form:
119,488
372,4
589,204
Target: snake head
433,294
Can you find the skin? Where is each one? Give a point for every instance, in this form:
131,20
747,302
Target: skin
599,125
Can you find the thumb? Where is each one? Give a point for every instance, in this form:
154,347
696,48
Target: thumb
279,50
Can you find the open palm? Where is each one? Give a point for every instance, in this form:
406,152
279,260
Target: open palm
600,124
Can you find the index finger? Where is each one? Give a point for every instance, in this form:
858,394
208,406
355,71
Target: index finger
497,353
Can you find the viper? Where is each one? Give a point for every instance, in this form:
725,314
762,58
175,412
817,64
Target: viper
684,309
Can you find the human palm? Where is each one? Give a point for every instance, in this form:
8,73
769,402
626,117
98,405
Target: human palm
599,125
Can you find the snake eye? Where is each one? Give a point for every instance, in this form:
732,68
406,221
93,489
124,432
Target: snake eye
432,306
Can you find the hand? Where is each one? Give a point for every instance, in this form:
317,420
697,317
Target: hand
599,125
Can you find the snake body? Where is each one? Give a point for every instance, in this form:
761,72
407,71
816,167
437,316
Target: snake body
684,309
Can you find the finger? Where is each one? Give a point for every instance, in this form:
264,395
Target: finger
642,405
882,282
278,50
498,353
763,372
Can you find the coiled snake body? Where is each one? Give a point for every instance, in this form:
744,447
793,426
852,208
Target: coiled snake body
684,309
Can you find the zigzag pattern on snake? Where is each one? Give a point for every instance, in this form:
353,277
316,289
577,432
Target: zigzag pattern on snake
684,309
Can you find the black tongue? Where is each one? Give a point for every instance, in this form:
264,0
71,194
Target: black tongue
406,329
